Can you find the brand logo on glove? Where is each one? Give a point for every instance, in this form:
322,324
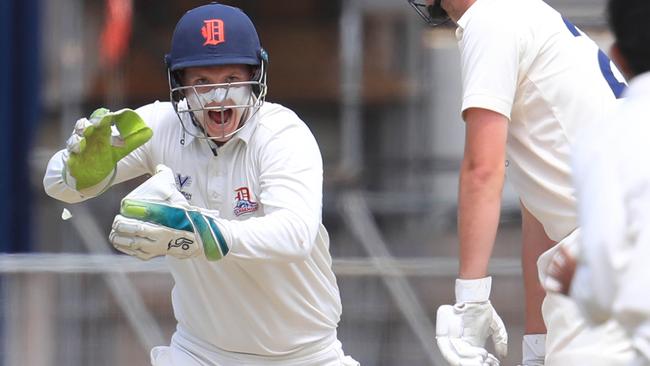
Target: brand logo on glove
213,32
243,203
183,243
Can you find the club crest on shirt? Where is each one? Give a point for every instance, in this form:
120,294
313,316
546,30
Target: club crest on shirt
243,203
184,182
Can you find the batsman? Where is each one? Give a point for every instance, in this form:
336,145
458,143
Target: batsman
532,82
234,202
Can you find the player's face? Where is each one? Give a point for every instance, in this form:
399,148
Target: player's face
218,123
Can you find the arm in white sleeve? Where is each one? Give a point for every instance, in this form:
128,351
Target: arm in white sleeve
603,229
291,179
56,187
631,306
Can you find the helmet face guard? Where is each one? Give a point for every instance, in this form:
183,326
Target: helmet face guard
216,35
238,100
434,15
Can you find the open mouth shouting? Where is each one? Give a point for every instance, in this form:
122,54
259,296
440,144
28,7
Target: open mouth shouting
221,117
219,110
220,123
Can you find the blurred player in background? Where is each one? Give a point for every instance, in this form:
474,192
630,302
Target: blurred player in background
612,176
531,79
234,202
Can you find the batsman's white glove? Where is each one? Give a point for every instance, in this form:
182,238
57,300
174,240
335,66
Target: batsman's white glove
156,219
462,329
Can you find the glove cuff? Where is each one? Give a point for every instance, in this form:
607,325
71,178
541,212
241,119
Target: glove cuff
477,290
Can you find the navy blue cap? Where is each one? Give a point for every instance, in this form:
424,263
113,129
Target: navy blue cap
214,34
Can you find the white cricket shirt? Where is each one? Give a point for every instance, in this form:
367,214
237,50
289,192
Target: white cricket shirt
274,294
520,58
612,176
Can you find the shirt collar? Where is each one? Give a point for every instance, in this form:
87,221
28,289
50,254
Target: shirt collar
466,17
639,85
246,132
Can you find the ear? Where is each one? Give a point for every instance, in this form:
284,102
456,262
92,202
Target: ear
620,61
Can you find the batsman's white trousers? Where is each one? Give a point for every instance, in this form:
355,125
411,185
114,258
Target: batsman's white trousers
186,350
570,339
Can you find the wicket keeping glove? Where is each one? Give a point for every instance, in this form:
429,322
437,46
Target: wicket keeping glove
156,219
462,329
95,147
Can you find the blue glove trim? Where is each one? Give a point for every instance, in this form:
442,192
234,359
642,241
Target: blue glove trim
157,213
220,239
213,241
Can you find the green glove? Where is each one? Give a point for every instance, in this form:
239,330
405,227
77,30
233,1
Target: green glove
94,153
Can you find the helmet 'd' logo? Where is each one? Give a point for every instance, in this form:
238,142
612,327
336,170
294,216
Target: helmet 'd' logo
213,32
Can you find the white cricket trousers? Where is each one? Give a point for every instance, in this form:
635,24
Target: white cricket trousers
570,339
186,350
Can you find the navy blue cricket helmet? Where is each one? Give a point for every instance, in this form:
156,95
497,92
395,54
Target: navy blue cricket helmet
214,35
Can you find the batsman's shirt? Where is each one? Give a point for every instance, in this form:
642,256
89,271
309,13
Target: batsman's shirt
520,58
612,176
274,294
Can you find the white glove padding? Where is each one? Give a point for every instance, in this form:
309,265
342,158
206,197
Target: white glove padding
156,219
145,240
462,329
